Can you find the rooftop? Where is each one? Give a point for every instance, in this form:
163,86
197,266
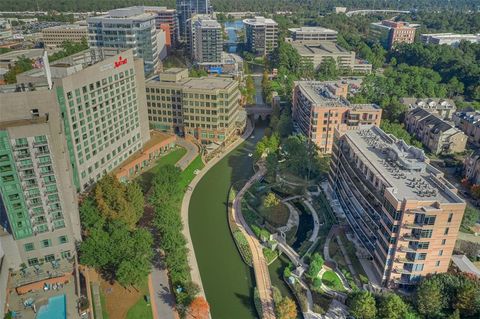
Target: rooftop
31,54
450,35
428,103
324,48
389,24
469,116
405,168
66,27
209,83
208,23
465,265
322,94
258,21
312,30
432,121
130,13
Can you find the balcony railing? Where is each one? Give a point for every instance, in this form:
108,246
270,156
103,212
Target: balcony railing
20,146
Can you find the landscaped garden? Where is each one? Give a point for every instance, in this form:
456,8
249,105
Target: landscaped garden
331,280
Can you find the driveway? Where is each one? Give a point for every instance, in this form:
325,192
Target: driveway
192,152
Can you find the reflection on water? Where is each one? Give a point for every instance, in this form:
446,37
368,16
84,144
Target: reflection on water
232,28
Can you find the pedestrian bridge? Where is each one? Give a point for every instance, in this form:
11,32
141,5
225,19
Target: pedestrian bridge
364,12
259,111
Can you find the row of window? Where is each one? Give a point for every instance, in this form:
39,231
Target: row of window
45,243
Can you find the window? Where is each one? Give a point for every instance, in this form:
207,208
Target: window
426,233
33,261
49,258
450,216
65,254
29,247
440,252
437,263
446,231
63,239
46,243
423,245
417,267
429,220
444,241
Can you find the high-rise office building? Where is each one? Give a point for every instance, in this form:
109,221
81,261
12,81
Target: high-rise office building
186,9
208,41
102,100
127,28
165,17
261,35
320,108
402,211
207,108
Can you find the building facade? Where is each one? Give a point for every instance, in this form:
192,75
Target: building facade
317,53
439,136
469,122
444,108
104,111
56,36
188,8
261,35
208,41
206,108
389,32
452,39
313,34
403,212
38,196
124,29
471,168
165,17
320,108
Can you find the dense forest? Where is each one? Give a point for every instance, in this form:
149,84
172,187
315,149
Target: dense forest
319,6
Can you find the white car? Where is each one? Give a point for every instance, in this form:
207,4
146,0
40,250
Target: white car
250,154
253,136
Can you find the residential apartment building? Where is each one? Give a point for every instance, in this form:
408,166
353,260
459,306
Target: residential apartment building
471,168
5,30
312,34
208,41
206,108
127,28
101,97
402,211
444,108
439,136
469,122
188,8
389,32
320,108
190,39
38,196
344,59
452,39
56,36
261,35
165,19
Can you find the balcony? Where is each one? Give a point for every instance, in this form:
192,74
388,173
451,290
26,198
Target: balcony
25,166
43,153
20,146
410,237
34,204
22,156
47,183
44,174
51,192
402,271
30,196
40,143
42,164
29,186
407,249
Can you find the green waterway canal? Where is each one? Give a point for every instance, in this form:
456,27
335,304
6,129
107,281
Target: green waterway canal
228,282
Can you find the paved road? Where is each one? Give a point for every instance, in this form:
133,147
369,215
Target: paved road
260,267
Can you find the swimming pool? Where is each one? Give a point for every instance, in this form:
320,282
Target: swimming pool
55,309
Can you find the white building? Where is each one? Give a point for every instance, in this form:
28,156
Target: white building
452,39
261,35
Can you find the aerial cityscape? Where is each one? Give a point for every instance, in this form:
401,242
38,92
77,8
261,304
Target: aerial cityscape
219,159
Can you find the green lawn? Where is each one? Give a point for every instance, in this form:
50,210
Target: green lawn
142,309
331,280
102,301
145,179
188,174
350,248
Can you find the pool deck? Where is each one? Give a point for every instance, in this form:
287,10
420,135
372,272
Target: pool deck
41,297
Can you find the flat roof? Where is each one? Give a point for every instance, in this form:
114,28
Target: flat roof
323,48
405,168
31,54
313,30
259,21
66,27
448,35
208,83
465,265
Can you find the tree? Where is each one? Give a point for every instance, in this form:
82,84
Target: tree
470,217
286,309
199,308
271,200
392,306
362,305
467,300
271,164
327,70
316,264
22,64
429,299
117,201
285,125
455,315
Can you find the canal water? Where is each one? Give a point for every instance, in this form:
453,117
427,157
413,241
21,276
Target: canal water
228,282
232,37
